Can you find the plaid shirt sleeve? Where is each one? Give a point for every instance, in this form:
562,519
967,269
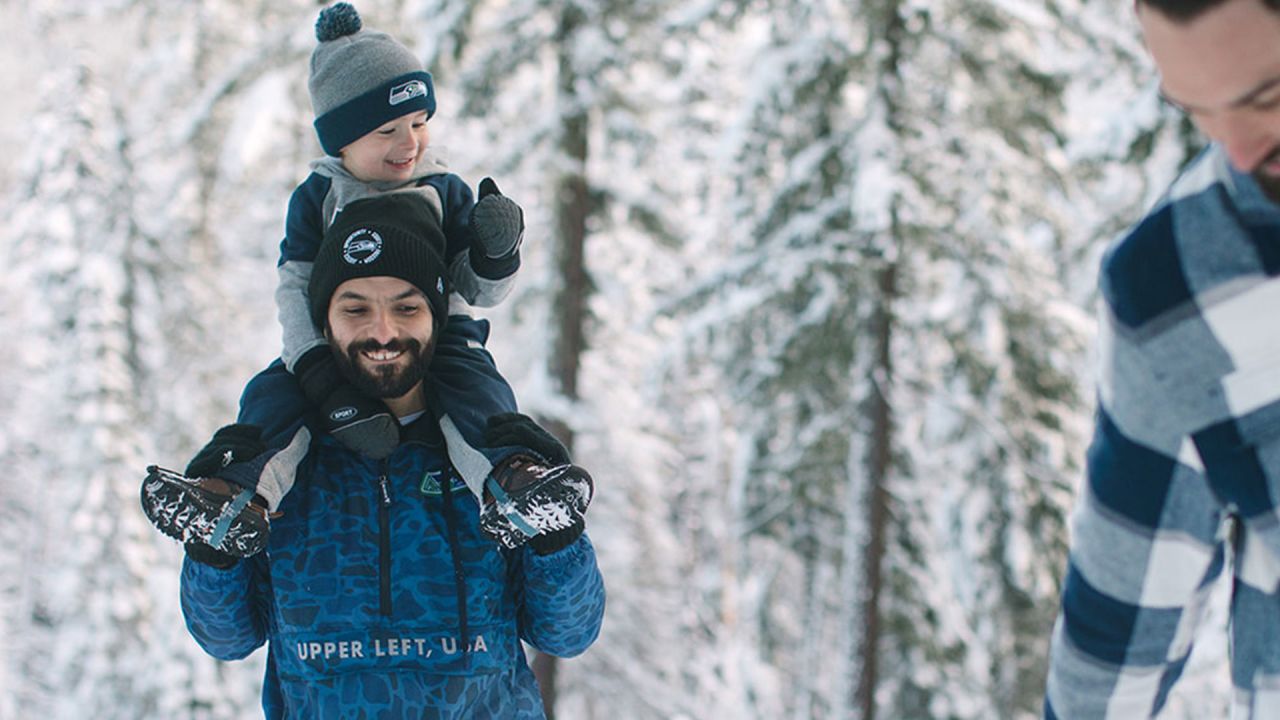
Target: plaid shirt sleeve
1186,452
1146,541
1146,548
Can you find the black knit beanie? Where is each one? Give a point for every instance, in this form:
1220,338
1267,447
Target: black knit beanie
397,235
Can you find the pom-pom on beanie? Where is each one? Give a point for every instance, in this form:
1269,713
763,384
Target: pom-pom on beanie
361,79
396,234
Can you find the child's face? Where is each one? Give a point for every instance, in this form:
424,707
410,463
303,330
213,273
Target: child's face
390,153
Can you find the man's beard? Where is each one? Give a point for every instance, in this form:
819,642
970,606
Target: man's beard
385,380
1269,183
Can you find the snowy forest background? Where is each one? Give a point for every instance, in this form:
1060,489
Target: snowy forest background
808,285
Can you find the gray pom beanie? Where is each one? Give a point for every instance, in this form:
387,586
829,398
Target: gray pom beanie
395,234
361,79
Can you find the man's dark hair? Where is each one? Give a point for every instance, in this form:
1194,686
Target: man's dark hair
1187,10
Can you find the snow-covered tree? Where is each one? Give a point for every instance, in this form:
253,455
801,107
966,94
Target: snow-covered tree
900,352
83,273
119,298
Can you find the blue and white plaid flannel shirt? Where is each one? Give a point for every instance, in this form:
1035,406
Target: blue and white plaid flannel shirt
1184,469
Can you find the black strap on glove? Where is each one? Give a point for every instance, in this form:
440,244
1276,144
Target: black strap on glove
554,540
207,555
359,422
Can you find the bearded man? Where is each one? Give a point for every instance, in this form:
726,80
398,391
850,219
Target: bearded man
385,589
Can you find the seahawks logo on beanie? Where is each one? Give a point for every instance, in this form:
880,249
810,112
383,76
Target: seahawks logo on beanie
362,247
407,91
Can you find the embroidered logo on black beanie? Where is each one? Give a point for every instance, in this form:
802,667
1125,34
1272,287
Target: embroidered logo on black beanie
395,235
362,247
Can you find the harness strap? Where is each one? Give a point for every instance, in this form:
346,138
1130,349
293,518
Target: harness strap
229,514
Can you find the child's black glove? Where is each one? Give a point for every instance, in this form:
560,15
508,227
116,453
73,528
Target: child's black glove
237,442
359,422
497,223
540,500
517,430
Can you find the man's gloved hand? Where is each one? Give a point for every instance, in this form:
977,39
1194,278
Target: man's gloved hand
359,422
497,223
214,502
237,442
538,499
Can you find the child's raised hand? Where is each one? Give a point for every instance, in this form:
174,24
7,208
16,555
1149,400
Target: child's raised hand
497,223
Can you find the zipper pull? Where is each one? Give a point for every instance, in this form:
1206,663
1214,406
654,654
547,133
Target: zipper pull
386,494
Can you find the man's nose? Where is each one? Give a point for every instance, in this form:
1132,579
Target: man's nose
382,327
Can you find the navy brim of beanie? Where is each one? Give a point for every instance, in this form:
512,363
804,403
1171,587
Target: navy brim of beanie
361,115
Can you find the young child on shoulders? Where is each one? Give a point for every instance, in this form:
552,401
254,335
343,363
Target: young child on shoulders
373,101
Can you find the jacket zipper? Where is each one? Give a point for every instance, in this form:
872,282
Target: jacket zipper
384,544
459,573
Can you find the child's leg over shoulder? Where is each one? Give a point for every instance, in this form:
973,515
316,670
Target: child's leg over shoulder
273,400
466,382
466,378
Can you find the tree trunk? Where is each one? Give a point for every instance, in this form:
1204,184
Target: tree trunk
572,205
879,454
878,462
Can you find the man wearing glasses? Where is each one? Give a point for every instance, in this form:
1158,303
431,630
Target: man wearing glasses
1184,470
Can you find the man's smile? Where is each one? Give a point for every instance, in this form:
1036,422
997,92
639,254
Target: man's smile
382,354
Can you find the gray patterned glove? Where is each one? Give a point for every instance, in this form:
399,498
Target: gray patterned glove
497,223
